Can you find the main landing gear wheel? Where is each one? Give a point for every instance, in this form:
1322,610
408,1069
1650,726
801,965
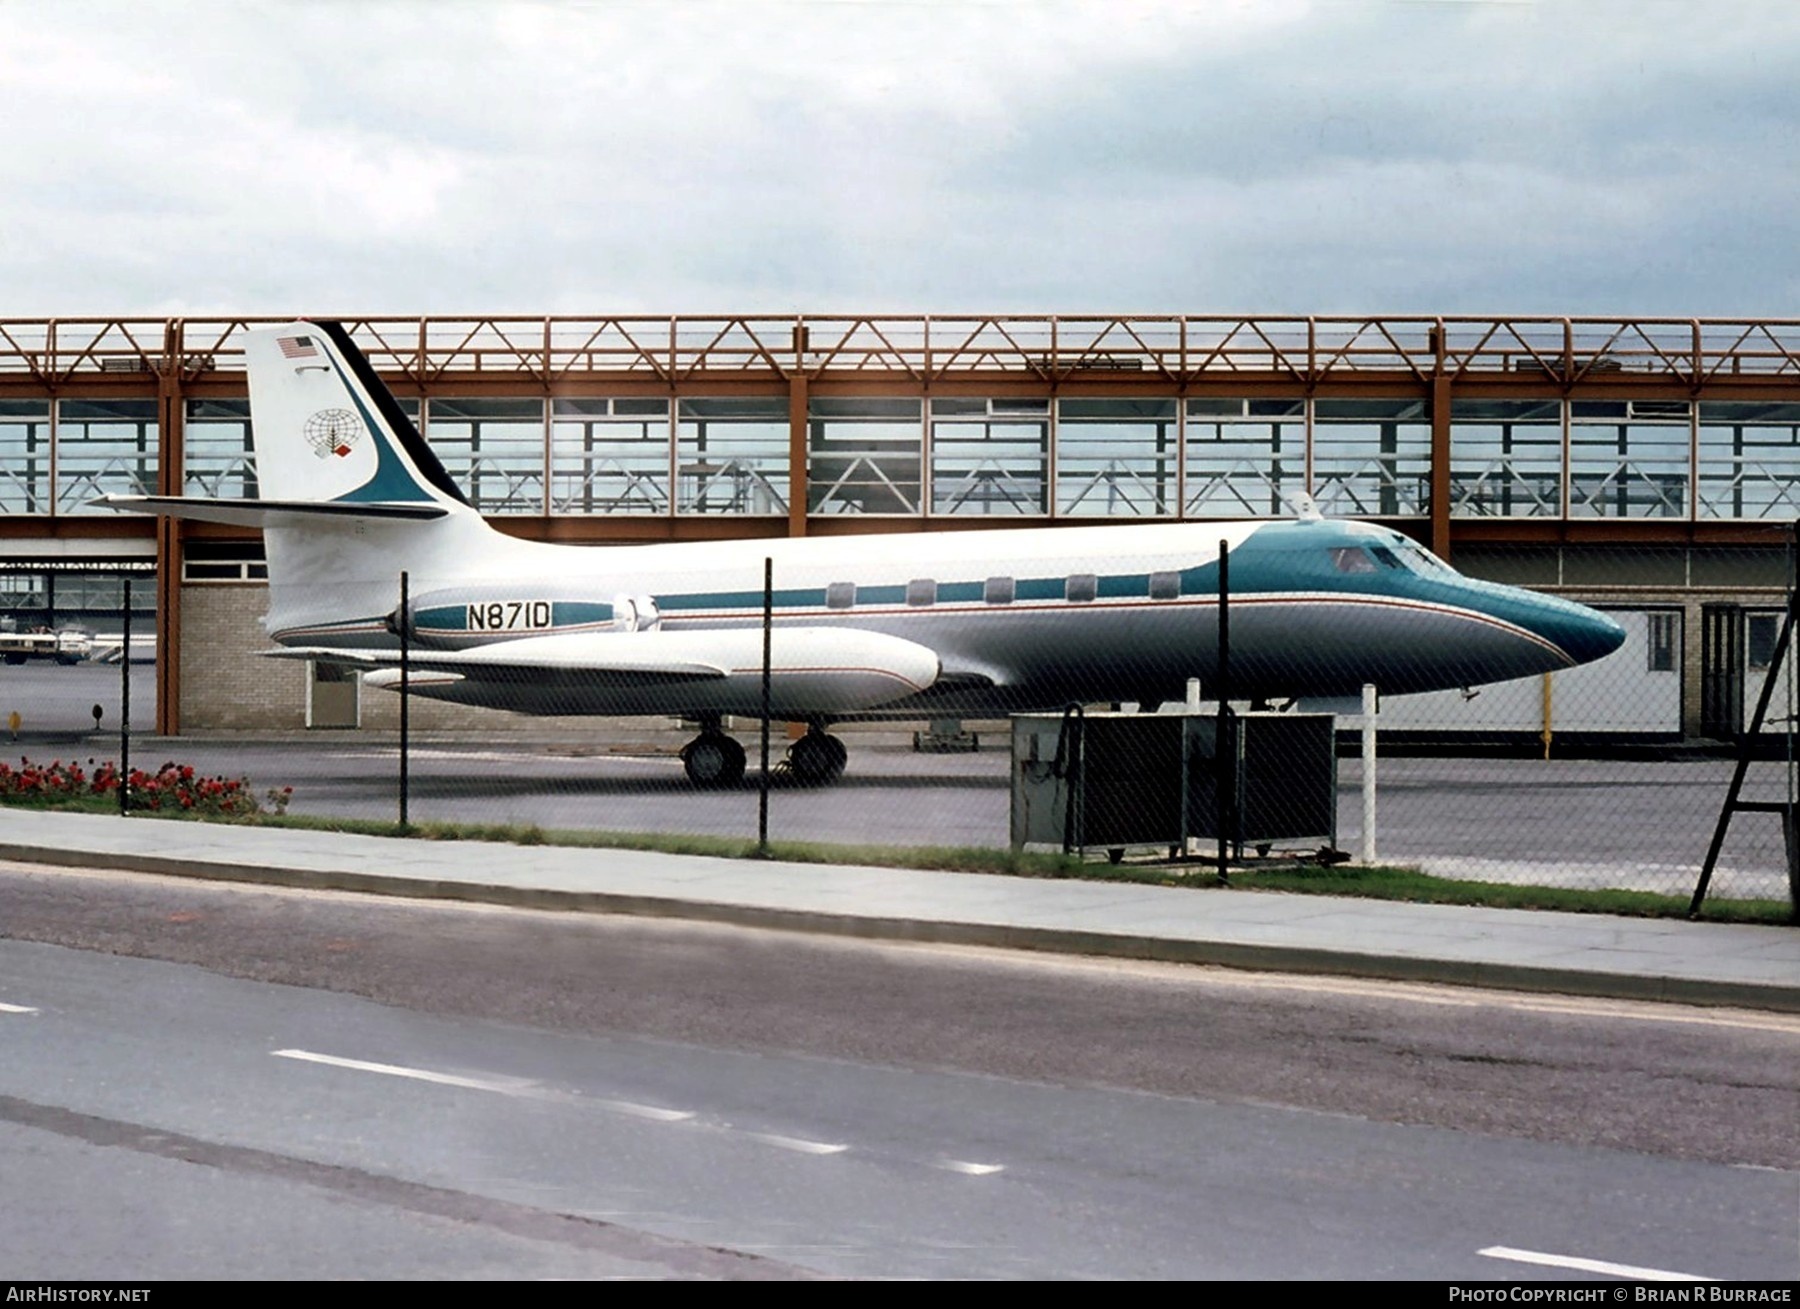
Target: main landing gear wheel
817,759
713,759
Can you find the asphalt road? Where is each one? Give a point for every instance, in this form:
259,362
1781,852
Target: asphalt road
402,1089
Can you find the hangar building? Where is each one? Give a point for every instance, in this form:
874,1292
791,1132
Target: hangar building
1651,466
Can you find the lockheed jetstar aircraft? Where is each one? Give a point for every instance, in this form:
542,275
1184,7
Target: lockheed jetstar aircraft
921,625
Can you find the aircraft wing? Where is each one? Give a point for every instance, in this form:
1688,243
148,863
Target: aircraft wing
540,654
814,670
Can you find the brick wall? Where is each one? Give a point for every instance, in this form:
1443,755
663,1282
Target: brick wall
225,683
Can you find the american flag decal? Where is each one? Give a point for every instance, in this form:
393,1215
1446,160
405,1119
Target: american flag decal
297,347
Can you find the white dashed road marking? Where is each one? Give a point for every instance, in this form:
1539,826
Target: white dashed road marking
797,1143
1588,1265
501,1086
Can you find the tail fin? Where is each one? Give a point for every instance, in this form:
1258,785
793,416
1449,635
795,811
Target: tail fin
328,431
330,435
351,494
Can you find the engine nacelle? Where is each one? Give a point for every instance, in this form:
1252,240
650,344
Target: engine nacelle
813,671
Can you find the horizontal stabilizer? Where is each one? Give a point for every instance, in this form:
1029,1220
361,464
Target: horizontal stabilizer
270,513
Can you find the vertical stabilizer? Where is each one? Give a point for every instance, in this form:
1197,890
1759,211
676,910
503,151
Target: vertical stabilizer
327,431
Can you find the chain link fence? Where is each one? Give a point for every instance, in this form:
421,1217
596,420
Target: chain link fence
1607,775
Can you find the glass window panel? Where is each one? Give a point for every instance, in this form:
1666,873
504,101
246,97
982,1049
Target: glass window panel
1749,460
1628,459
1372,458
1244,457
1506,458
989,460
493,449
864,456
25,597
1761,631
609,456
103,447
951,406
1116,458
25,456
1663,640
218,461
732,456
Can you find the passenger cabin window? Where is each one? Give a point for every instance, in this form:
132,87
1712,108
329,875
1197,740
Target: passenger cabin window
1165,586
998,590
1351,559
840,595
1081,588
921,591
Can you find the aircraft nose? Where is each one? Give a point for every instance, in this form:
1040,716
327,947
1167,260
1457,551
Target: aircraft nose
1583,634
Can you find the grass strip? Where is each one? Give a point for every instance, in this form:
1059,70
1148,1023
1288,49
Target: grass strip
1374,883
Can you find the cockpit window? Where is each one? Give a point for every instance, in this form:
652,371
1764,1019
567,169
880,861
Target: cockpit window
1416,557
1386,556
1351,559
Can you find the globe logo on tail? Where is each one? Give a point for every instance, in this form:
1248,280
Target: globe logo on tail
333,432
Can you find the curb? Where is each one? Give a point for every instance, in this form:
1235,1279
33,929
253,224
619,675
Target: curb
1069,941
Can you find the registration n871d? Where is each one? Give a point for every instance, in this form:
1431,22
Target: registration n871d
509,616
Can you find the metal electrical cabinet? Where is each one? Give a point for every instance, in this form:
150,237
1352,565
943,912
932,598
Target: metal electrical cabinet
1114,780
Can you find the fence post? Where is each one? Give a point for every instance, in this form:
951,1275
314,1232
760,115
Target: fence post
1371,704
125,701
762,783
1223,747
405,635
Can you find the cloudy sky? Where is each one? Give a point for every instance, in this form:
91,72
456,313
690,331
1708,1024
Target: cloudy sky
593,156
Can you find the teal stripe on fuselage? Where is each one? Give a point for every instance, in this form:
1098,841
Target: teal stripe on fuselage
1283,558
578,613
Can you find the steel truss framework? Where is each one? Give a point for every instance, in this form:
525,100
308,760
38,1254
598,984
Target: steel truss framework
1049,349
1563,471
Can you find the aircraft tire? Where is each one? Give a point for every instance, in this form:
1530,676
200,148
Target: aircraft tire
713,759
817,759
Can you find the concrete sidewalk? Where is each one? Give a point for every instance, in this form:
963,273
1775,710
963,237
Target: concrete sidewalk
1578,954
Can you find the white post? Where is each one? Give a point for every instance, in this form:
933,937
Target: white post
1368,773
1193,695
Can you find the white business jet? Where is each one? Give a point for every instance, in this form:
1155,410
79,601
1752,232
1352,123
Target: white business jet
918,625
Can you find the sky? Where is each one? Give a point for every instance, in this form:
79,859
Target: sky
900,156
